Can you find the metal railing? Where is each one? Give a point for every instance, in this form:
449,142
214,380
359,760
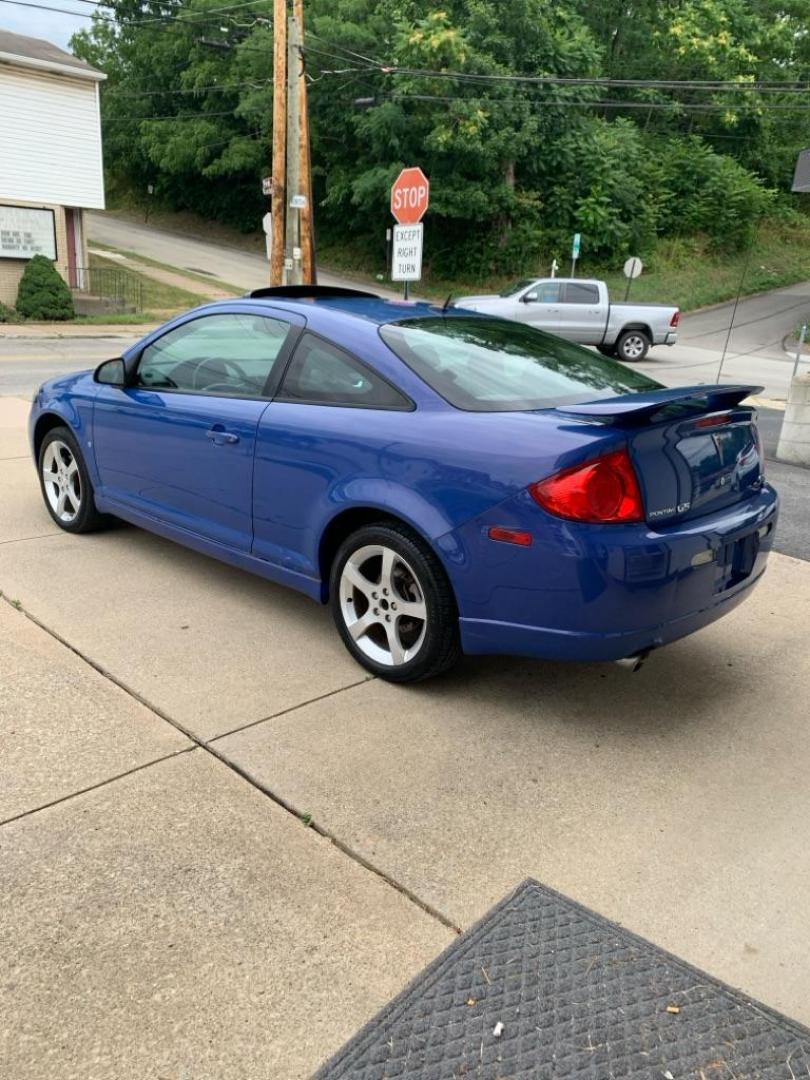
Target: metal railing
116,287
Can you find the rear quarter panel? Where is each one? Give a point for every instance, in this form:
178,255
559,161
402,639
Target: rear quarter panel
435,470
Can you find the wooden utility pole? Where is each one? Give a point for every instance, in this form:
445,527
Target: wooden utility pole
279,202
293,243
307,237
293,247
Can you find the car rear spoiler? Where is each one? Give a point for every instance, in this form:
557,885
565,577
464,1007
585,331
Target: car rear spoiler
631,410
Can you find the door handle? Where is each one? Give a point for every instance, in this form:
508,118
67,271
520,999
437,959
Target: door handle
219,436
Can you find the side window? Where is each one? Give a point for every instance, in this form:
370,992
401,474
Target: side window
576,292
547,293
215,354
321,374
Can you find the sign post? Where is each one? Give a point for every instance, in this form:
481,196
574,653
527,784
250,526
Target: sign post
632,269
575,246
410,197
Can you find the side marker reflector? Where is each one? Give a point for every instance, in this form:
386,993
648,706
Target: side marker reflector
510,536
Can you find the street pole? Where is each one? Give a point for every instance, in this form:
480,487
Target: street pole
279,200
309,271
293,246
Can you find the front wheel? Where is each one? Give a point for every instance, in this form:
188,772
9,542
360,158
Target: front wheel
632,346
393,605
65,483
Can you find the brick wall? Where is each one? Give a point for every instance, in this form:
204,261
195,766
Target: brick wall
11,270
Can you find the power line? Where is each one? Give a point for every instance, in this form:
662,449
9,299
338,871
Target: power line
255,84
596,103
207,16
598,82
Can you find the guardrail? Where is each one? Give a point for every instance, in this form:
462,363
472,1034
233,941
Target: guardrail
116,288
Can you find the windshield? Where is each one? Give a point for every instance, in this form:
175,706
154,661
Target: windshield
517,286
495,365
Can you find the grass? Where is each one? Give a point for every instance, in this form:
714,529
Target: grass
159,299
690,272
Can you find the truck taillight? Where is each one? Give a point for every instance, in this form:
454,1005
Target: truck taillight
676,318
603,491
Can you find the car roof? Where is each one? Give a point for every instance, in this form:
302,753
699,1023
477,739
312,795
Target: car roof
369,308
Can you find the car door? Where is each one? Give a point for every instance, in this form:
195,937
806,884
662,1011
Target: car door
331,420
177,444
582,315
540,306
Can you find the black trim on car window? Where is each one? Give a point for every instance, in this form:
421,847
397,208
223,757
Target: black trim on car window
407,403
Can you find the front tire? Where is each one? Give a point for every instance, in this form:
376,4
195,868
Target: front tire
632,346
393,605
65,483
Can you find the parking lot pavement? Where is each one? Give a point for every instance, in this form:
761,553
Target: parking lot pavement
65,727
673,800
177,923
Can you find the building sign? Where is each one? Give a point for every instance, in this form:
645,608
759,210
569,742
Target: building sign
25,233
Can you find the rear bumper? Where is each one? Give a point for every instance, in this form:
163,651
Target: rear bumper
480,636
603,593
671,338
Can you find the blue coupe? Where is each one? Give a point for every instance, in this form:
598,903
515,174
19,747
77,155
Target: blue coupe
448,482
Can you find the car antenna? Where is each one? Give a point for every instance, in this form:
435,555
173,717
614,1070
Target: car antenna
446,304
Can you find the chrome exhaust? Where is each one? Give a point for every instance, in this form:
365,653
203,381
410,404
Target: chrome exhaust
633,663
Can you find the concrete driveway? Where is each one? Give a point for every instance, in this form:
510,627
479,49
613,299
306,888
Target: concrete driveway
223,847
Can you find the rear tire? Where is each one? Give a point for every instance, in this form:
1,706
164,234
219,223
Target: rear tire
65,483
393,605
632,346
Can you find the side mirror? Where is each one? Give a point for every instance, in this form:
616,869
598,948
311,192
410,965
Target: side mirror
111,373
529,298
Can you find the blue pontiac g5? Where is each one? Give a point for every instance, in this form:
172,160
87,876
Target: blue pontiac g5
448,482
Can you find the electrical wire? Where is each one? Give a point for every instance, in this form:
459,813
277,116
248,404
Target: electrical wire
207,16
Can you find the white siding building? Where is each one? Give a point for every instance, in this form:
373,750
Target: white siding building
50,157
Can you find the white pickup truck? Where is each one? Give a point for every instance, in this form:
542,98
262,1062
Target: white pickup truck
580,309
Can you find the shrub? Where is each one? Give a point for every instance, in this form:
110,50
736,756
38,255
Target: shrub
8,315
43,293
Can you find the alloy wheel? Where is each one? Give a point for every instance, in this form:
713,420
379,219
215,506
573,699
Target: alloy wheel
633,346
383,605
62,481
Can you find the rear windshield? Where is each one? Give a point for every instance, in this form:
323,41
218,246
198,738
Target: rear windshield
495,365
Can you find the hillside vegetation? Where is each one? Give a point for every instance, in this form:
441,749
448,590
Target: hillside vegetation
642,125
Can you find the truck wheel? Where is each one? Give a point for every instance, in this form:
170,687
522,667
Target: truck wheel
607,350
632,346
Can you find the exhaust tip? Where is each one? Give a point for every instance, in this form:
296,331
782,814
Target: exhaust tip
633,663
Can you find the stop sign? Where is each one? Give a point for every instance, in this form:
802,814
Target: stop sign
409,196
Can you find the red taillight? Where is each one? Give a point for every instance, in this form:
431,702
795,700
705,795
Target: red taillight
676,318
602,491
